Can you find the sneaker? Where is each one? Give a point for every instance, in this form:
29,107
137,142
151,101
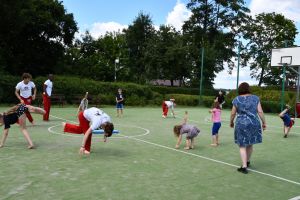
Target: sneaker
285,136
248,163
242,170
287,106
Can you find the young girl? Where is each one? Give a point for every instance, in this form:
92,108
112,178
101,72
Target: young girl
15,114
191,132
119,103
165,107
216,119
288,122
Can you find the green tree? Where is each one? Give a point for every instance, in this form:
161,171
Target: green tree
213,25
33,35
137,36
265,32
166,56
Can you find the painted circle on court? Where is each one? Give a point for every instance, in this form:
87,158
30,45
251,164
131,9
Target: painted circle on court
126,131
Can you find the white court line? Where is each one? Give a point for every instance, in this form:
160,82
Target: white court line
147,131
206,158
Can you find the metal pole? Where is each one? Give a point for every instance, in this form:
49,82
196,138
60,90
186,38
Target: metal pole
238,68
283,80
283,85
297,97
201,75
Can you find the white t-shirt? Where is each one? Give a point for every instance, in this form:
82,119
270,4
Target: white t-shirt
170,104
96,116
25,89
49,87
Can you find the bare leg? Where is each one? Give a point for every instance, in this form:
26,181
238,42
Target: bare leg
217,139
121,112
286,130
249,150
214,141
192,143
36,110
22,121
187,144
243,154
4,136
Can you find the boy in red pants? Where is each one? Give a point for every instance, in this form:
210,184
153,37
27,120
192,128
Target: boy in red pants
25,88
165,107
89,120
47,91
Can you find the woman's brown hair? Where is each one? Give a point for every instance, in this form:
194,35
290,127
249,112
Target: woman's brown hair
176,130
244,88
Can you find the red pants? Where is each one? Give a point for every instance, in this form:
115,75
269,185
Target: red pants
84,125
47,105
27,101
165,109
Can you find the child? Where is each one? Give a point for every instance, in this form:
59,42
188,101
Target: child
47,92
98,119
191,132
288,122
216,119
15,114
165,107
25,88
120,103
83,104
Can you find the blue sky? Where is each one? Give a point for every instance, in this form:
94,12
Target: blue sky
99,16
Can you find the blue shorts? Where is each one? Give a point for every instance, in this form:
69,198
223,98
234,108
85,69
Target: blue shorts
215,128
287,121
119,106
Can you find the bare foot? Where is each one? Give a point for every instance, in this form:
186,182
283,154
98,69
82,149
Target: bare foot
1,145
30,147
87,152
63,124
213,145
187,148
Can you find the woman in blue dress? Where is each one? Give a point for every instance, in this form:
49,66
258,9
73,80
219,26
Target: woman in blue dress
248,129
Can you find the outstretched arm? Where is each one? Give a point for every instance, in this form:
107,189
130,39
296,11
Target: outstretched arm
232,116
261,115
178,141
11,110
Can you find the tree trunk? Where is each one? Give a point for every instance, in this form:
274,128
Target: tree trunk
261,76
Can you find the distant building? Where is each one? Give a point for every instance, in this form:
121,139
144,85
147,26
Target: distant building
161,82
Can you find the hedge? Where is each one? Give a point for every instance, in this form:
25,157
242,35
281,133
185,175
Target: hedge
138,95
270,99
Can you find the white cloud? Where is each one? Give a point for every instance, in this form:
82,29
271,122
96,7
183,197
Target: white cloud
99,29
289,8
228,81
178,15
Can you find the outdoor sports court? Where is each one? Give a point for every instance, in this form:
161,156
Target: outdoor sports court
142,163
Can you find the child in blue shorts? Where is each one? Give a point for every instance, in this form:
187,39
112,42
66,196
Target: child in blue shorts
288,122
216,119
120,103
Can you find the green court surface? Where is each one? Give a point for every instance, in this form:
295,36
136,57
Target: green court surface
141,163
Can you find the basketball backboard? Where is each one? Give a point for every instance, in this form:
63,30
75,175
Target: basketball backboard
288,56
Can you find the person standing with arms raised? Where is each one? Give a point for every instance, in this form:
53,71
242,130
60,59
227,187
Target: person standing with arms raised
47,91
25,88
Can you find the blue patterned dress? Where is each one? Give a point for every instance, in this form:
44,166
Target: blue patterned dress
248,129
